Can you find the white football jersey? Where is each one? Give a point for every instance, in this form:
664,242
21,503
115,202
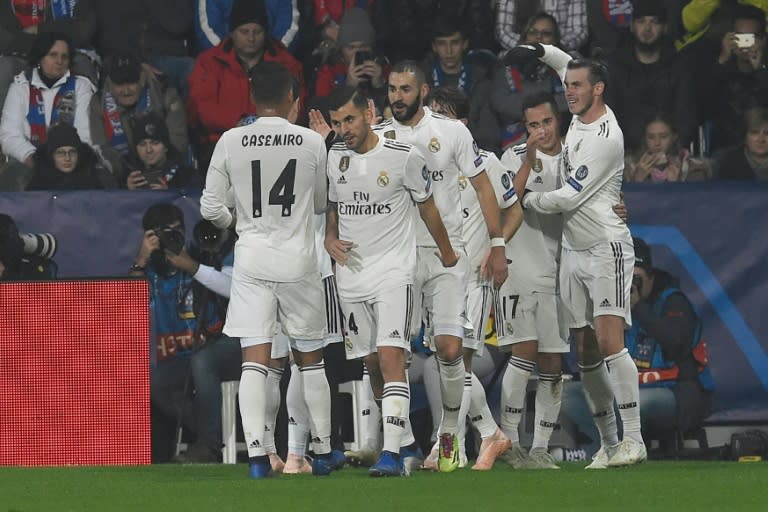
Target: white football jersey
476,238
534,251
449,150
324,264
374,193
277,173
592,170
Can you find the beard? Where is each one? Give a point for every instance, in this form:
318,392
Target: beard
651,47
410,110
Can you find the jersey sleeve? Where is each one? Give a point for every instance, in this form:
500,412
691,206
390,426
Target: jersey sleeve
321,180
468,158
501,180
557,59
417,179
591,170
213,202
331,164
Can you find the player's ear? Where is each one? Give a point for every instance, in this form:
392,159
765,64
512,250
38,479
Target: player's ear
599,88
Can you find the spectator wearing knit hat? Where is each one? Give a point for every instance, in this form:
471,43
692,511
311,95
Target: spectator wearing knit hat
64,162
155,164
219,89
130,92
355,62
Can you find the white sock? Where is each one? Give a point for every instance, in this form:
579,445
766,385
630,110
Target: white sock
317,396
395,404
599,394
432,389
549,394
466,398
271,407
451,390
513,387
298,415
407,438
479,412
623,374
370,415
252,395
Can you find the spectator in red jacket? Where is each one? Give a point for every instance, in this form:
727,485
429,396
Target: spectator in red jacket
219,95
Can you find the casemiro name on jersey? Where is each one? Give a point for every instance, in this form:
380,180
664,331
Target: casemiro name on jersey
273,139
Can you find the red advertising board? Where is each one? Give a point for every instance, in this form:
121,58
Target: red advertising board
74,372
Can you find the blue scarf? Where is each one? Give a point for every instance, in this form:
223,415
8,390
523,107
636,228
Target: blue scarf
63,8
114,126
465,80
64,105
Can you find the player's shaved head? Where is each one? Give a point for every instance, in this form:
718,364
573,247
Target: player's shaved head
411,66
340,96
271,84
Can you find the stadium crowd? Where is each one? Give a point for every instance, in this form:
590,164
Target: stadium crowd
107,94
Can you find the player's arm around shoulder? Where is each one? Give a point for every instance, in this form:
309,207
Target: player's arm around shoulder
217,183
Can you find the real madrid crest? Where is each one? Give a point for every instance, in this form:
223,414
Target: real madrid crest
389,134
434,145
582,172
383,179
344,163
462,182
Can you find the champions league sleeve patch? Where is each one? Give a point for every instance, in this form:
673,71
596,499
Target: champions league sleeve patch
475,148
427,179
581,172
505,181
575,184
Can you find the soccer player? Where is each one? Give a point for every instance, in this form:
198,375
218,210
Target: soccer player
449,150
276,171
598,257
529,320
371,234
452,103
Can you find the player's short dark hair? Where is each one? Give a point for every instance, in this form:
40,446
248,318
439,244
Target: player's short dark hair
597,70
162,214
535,99
340,96
452,99
447,25
410,66
752,13
270,83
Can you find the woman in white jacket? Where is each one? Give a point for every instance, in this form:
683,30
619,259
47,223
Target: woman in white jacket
38,98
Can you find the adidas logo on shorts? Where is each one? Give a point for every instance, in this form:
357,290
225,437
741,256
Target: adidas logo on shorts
394,334
605,304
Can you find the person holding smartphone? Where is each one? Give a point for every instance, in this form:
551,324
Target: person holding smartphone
739,78
153,162
355,62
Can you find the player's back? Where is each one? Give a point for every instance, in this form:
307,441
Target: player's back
594,165
275,169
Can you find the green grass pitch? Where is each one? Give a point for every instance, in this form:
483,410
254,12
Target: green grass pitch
654,486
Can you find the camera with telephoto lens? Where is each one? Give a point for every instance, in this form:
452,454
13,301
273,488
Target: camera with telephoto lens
171,239
39,244
211,244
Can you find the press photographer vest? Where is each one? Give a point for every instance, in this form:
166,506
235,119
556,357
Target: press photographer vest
653,369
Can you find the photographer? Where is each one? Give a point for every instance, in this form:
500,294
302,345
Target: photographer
25,257
666,343
188,305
